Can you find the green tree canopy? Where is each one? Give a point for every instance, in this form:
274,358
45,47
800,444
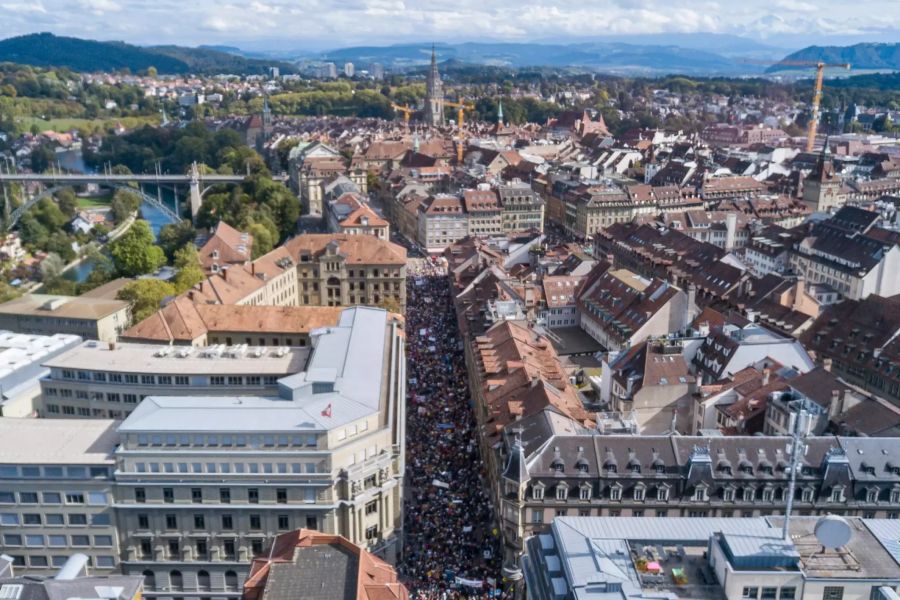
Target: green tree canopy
135,252
145,296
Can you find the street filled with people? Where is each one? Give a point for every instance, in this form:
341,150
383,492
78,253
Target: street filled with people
451,544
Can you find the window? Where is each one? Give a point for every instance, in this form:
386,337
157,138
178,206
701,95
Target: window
196,495
56,541
281,495
74,498
228,548
225,495
28,498
181,380
256,547
105,562
32,519
38,561
202,549
788,593
97,499
55,519
174,549
81,540
199,522
176,581
203,581
131,379
143,522
372,533
146,549
231,579
372,507
639,493
168,495
769,593
615,492
253,496
140,495
832,592
750,592
217,380
255,522
103,540
171,521
227,522
14,539
284,522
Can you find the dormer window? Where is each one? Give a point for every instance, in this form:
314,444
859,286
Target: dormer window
584,492
837,493
611,468
215,254
660,469
562,492
582,467
726,470
639,493
895,496
615,492
872,495
662,493
807,495
537,492
634,468
700,494
558,466
768,494
728,494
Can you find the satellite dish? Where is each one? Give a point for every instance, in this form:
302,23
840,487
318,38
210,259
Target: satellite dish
833,531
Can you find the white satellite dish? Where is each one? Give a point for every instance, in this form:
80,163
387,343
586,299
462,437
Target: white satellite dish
833,531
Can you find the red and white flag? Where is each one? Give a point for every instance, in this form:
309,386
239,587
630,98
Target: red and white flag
327,411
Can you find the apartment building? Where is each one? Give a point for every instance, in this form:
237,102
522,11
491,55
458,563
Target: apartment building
97,380
484,212
550,472
45,314
442,221
56,494
203,484
522,208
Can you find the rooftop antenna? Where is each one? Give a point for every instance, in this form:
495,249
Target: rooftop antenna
798,427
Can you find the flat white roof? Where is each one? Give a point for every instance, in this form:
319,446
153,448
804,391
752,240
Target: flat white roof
165,360
57,441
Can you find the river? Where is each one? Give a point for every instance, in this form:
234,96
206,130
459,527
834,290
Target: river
72,160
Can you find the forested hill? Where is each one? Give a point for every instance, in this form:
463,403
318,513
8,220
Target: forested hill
48,50
860,56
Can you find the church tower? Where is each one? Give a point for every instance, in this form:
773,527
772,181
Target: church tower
434,95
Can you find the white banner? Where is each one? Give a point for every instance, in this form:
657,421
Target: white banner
472,583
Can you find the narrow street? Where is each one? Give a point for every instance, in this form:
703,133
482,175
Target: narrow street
451,549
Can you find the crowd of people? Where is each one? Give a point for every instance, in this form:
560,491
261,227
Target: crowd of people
451,545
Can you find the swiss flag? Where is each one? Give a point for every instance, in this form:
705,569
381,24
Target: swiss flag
327,411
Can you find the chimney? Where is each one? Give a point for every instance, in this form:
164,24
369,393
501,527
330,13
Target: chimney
765,375
826,364
834,405
253,268
224,274
799,290
730,230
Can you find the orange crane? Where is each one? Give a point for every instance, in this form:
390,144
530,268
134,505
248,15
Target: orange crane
813,125
406,110
461,108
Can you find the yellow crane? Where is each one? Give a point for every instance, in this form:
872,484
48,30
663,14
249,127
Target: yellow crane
406,110
813,125
461,108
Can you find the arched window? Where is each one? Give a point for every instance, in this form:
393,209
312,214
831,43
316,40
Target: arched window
149,580
231,581
203,581
176,581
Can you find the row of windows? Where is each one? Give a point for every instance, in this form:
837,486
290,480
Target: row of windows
225,522
85,411
56,541
54,472
42,562
269,468
176,580
92,498
197,497
52,519
180,380
227,440
727,494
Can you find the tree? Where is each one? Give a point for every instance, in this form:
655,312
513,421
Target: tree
145,296
52,266
190,271
390,304
124,204
263,242
151,71
135,252
173,236
67,202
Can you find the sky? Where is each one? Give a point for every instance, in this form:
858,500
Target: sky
318,24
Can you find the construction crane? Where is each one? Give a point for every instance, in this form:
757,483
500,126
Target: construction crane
813,125
461,108
406,110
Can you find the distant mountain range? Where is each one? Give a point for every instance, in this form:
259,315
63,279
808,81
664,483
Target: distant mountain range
48,50
859,56
649,55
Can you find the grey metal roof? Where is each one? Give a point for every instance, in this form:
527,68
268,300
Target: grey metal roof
887,532
342,383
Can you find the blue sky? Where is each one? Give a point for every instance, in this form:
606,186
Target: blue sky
331,23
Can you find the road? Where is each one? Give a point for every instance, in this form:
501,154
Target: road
451,545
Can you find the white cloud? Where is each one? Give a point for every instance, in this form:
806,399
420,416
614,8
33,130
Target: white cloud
333,23
23,7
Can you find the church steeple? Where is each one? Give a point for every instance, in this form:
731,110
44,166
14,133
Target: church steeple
500,113
434,94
